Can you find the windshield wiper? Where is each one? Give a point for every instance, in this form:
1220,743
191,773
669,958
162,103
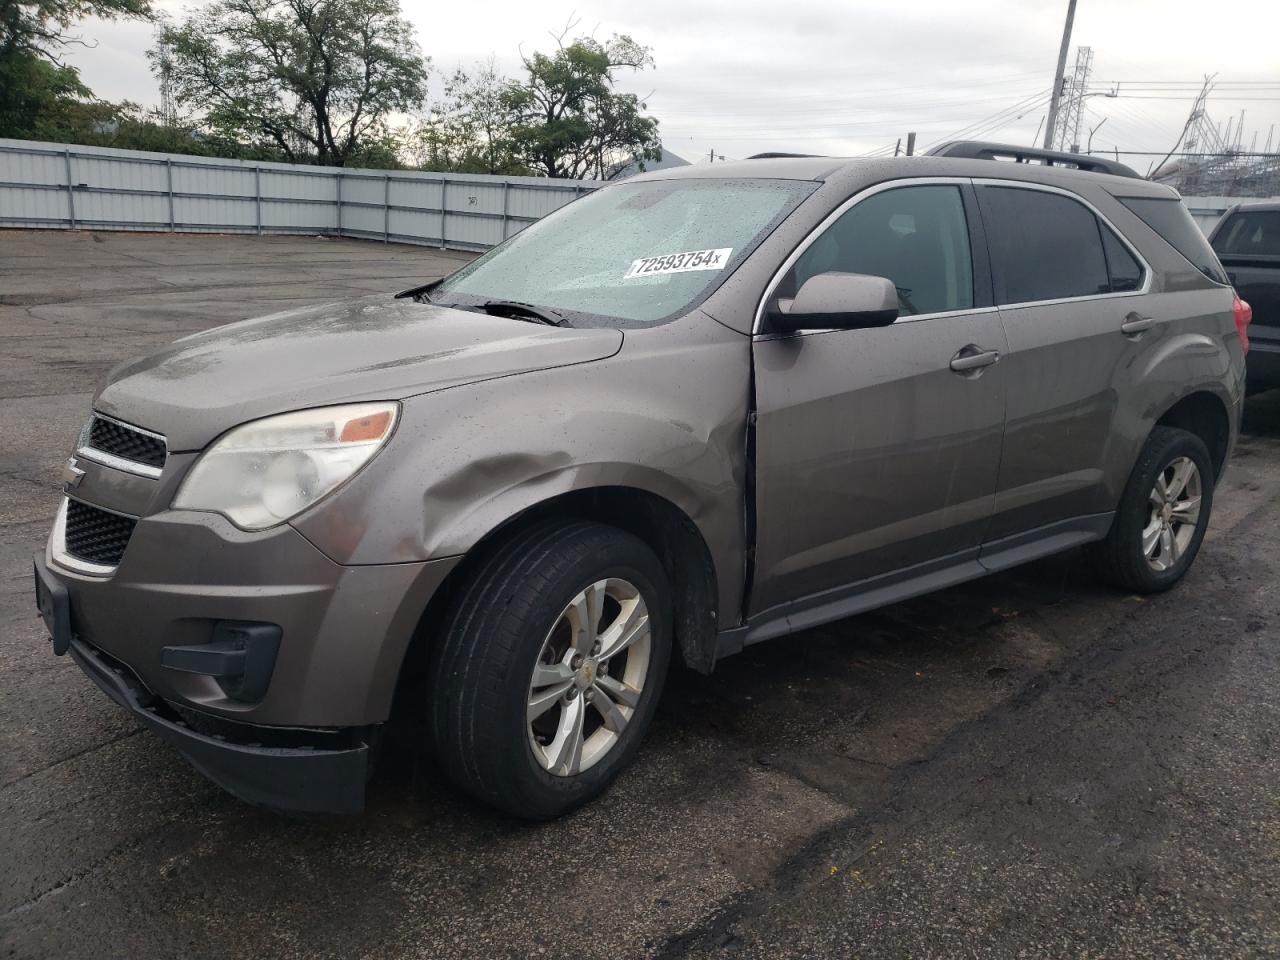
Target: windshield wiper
526,311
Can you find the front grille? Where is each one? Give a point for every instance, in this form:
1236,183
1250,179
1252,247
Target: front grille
97,536
126,442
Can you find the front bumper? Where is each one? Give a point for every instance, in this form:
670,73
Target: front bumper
344,630
297,780
343,633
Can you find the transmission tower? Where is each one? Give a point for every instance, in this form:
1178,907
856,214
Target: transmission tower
1066,134
163,68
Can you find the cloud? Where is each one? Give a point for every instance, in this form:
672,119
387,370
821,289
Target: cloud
842,76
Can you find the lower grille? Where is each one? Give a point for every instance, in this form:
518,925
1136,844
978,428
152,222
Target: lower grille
97,536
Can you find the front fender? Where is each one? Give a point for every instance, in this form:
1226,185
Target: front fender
667,416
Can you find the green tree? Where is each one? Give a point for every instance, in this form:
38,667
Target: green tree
39,93
567,120
469,130
314,79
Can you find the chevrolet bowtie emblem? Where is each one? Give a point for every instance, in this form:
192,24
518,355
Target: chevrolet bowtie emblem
71,475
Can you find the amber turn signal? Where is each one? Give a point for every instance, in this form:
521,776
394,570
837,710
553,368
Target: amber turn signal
372,427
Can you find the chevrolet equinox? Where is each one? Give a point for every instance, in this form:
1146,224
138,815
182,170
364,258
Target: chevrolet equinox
689,412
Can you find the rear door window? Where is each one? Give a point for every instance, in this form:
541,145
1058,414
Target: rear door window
1044,246
916,236
1169,218
1254,233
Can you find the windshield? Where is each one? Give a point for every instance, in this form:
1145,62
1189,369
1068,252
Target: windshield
632,254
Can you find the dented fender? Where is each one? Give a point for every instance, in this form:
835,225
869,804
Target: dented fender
665,415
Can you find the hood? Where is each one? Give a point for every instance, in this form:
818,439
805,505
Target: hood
375,348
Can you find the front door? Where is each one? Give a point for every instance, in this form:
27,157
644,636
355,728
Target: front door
878,450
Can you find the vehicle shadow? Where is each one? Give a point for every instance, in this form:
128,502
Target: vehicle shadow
838,707
1262,415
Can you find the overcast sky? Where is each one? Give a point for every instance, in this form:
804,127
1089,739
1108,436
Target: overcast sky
846,77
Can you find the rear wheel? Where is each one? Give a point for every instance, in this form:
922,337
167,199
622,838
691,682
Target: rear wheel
1162,515
550,668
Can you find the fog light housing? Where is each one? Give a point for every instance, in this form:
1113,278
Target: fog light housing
241,656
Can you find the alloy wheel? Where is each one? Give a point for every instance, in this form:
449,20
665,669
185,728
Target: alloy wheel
1174,513
589,677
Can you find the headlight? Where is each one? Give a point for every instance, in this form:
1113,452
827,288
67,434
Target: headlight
261,474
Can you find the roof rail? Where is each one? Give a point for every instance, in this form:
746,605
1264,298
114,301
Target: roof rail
781,156
980,150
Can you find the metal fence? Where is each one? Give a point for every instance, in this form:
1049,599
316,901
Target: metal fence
68,187
60,186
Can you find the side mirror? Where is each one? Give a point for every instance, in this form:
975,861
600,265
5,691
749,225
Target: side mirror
844,301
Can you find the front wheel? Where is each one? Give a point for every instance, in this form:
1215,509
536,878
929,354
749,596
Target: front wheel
551,667
1162,516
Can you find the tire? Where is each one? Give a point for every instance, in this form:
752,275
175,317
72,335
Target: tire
516,612
1122,558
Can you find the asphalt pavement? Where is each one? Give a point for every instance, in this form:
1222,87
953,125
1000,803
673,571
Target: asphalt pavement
1030,765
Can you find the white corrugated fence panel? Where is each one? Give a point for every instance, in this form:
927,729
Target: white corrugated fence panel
362,219
363,189
285,216
214,212
139,190
32,206
94,207
414,225
32,168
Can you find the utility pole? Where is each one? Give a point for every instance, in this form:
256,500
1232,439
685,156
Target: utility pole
1050,126
911,144
897,148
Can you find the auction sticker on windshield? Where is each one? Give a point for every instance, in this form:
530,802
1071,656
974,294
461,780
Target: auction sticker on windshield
680,262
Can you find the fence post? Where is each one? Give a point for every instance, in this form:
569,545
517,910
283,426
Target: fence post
506,196
71,190
339,203
168,177
444,185
386,208
257,197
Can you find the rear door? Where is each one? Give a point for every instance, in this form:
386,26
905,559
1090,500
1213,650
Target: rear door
1072,296
872,453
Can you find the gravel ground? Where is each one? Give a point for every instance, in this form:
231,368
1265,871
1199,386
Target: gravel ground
1026,766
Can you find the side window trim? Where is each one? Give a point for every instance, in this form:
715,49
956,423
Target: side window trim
984,289
1103,222
1103,232
984,305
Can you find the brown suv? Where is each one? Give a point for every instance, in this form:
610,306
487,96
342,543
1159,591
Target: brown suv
689,412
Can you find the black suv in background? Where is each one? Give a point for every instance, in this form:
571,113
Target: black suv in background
1247,241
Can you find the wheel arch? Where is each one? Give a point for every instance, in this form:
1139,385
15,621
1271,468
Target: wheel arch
1205,414
656,520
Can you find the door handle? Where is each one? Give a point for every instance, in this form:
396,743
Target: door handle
1134,325
972,358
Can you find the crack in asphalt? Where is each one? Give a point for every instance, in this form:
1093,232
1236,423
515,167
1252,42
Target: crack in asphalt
71,880
793,876
69,757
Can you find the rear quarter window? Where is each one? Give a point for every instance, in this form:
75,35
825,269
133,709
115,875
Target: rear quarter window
1169,218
